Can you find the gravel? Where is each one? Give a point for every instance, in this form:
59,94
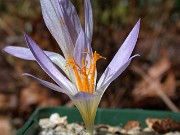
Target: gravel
56,125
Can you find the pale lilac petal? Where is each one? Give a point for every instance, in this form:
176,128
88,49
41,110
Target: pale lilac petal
71,18
108,76
58,60
121,60
56,14
48,66
82,44
25,53
83,96
20,52
48,84
88,19
126,49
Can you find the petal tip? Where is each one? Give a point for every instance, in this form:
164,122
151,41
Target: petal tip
138,23
139,20
138,55
24,74
25,35
5,49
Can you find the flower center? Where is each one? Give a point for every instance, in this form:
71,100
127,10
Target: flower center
85,74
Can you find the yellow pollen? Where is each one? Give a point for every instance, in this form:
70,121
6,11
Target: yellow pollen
85,76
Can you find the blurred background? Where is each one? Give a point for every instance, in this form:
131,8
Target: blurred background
152,81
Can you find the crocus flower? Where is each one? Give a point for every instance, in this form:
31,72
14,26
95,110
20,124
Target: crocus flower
79,61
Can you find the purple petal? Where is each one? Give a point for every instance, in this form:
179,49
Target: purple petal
20,52
82,44
83,96
48,84
71,19
25,53
126,49
108,76
48,66
88,19
63,23
121,60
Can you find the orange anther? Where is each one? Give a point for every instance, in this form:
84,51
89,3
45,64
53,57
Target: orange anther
85,76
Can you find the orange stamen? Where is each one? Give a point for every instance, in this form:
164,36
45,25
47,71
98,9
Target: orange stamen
85,76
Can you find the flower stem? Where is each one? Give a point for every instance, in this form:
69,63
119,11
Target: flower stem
87,105
89,124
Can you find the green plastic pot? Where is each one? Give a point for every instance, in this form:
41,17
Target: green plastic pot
114,117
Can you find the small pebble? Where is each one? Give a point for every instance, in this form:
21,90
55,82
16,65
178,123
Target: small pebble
55,118
46,123
56,125
173,133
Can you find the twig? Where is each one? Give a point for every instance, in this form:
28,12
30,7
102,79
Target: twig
4,25
156,85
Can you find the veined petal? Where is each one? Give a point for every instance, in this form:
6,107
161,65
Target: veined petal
56,14
88,19
20,52
61,62
48,66
125,50
83,96
120,61
48,84
82,45
25,53
71,18
108,76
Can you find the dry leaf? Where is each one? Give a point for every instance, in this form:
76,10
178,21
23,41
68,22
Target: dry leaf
147,87
131,124
33,95
8,102
5,126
